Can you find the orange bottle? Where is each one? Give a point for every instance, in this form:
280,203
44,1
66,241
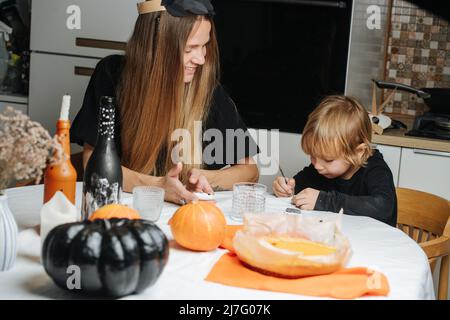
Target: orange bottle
61,177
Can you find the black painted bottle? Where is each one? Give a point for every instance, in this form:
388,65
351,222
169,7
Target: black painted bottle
102,181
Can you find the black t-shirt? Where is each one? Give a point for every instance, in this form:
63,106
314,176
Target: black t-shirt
370,192
223,118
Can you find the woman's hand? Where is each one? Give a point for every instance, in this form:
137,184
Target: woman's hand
306,199
197,182
283,189
174,190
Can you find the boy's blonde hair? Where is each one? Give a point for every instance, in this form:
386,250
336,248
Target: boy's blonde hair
336,128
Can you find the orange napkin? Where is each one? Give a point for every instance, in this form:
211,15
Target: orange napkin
230,231
344,284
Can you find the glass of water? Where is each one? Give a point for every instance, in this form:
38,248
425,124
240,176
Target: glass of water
148,201
248,198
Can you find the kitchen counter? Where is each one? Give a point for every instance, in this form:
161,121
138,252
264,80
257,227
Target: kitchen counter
396,137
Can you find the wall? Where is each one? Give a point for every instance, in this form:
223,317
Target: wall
418,55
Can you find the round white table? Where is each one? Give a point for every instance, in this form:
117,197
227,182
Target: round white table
374,244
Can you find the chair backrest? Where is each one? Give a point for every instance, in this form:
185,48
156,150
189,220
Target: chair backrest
422,215
426,218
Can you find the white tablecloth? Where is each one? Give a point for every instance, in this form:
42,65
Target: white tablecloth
374,244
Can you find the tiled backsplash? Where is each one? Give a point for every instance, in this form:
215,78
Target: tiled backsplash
418,55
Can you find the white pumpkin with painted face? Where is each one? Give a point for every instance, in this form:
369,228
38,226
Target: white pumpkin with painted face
8,235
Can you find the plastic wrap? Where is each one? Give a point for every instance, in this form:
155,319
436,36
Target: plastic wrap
292,246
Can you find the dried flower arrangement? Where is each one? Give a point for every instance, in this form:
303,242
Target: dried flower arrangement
25,148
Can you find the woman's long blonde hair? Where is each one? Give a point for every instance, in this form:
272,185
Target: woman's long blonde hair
336,128
153,98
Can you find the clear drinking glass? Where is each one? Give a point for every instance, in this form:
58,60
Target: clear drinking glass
248,198
148,201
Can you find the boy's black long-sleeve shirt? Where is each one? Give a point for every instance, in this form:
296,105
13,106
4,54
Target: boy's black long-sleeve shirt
370,192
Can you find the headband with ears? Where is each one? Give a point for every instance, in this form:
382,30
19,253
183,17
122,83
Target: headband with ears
177,8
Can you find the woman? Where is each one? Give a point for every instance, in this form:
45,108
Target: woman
166,81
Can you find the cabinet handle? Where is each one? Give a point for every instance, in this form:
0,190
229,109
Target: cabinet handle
333,4
83,71
100,44
432,153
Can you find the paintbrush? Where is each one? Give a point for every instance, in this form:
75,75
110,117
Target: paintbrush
282,173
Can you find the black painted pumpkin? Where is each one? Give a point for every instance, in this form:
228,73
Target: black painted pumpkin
115,257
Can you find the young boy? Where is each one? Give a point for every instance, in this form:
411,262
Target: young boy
345,171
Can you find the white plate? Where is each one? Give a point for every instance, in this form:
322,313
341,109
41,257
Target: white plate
205,196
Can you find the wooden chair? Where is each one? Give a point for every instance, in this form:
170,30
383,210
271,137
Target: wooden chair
426,219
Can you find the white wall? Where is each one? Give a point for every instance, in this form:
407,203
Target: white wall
284,150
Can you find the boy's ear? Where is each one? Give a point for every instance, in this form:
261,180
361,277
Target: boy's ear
360,149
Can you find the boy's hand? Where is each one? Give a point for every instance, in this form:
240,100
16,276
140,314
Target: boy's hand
306,199
283,189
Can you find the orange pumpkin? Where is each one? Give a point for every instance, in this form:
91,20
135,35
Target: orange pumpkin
198,226
111,211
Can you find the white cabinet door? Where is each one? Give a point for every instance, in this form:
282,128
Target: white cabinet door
17,106
70,26
426,170
53,76
392,157
278,148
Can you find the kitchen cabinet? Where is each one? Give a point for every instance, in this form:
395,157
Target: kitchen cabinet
425,170
392,156
17,106
292,159
17,102
68,37
82,27
418,169
278,148
53,76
